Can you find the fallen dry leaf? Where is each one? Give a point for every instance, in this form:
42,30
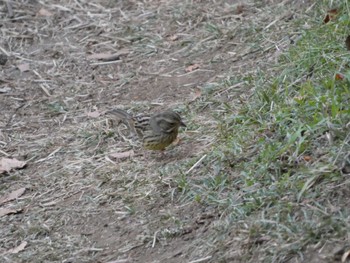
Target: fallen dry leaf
23,67
12,196
7,164
307,158
44,12
18,248
239,9
195,95
7,211
192,67
326,19
333,11
93,114
173,37
339,76
331,14
347,42
121,155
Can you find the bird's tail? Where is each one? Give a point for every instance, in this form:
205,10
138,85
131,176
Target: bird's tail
121,114
124,117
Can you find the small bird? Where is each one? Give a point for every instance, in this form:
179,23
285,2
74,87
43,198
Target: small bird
156,131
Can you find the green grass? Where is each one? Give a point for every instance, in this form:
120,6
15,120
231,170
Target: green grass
276,172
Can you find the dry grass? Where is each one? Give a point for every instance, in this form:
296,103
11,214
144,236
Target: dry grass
82,205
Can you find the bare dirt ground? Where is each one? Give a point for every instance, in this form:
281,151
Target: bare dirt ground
68,62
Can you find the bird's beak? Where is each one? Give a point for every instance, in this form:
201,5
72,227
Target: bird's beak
182,124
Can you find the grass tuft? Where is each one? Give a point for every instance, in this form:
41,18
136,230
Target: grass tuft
277,166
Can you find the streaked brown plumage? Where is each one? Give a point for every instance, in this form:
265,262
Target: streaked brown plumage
156,131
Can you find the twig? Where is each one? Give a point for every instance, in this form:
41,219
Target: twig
196,164
9,8
154,239
200,260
